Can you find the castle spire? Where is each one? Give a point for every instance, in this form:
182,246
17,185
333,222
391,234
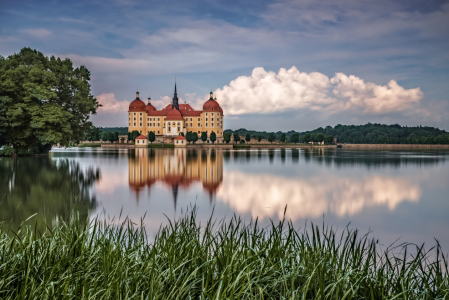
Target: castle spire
175,99
137,94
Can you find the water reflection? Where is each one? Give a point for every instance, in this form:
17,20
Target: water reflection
50,188
176,168
265,196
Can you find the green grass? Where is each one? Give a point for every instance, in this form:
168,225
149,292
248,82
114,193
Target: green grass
219,260
89,145
241,146
160,145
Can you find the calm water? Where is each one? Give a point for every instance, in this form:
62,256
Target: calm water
395,194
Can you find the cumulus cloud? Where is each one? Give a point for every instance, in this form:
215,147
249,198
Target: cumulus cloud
110,105
267,92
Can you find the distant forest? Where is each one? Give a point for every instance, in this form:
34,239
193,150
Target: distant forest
366,134
363,134
120,130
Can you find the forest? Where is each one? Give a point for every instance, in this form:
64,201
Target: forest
364,134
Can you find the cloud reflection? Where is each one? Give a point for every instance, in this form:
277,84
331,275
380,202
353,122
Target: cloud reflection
265,196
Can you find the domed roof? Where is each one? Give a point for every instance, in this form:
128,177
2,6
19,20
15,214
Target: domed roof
137,105
211,104
150,107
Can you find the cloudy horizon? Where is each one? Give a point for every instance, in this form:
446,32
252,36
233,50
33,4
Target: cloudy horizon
273,65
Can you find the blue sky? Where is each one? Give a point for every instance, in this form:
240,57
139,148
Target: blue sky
273,65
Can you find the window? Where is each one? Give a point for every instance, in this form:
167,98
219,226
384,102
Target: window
134,119
140,124
154,124
158,119
148,119
190,119
158,125
158,132
198,119
206,119
212,119
148,124
206,124
206,114
140,119
191,125
140,113
141,131
134,124
177,142
137,141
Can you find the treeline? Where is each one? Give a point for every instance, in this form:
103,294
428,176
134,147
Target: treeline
359,134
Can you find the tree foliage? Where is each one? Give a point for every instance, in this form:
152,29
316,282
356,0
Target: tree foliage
151,136
213,137
236,138
194,137
204,136
226,137
259,138
44,101
294,138
283,138
132,135
248,137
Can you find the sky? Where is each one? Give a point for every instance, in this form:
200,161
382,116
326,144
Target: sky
273,65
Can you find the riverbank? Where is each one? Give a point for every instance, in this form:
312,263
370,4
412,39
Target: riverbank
228,261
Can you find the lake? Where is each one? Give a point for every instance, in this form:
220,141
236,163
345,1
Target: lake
392,194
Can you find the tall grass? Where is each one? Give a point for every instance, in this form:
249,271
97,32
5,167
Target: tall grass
221,260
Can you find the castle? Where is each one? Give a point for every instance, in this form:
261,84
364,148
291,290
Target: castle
175,118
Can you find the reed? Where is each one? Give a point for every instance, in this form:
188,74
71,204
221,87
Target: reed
221,260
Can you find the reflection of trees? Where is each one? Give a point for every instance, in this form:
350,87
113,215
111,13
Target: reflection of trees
50,188
342,158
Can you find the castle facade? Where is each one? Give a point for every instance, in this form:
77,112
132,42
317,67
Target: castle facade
175,118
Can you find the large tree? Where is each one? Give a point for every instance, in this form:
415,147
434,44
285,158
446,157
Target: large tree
294,138
271,137
248,137
283,138
236,138
44,101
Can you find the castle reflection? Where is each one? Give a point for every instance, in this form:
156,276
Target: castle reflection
175,168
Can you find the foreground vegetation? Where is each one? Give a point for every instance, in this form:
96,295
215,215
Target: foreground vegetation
224,260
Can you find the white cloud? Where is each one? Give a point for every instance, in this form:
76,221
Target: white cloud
267,92
110,105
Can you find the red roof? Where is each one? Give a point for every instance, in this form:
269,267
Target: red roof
180,137
137,105
141,137
174,114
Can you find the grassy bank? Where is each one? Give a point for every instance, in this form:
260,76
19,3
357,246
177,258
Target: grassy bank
89,145
221,260
160,146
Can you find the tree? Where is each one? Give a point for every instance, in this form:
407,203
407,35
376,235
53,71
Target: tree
44,101
93,133
104,137
132,135
115,136
295,138
110,136
189,136
329,139
204,136
271,138
194,137
283,138
226,137
320,137
259,138
307,138
236,138
151,136
248,137
182,133
213,137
